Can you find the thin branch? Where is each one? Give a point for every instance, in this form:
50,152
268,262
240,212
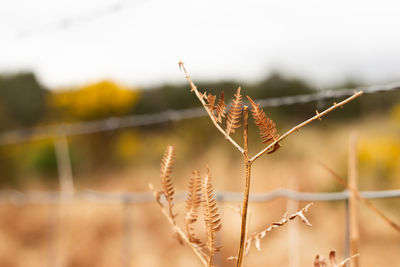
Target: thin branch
209,111
316,117
320,261
256,237
359,197
178,230
343,262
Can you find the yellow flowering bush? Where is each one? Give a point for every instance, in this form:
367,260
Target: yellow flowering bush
96,100
380,155
395,114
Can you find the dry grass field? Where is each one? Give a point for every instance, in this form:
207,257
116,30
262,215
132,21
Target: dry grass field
90,234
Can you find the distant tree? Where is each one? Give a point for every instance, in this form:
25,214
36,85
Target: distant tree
22,100
277,85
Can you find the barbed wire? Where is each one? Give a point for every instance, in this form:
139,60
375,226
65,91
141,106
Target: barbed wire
328,94
47,197
113,123
74,21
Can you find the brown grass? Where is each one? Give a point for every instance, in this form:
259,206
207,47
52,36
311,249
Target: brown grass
92,235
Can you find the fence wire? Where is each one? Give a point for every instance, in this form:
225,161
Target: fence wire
73,21
113,123
53,199
98,197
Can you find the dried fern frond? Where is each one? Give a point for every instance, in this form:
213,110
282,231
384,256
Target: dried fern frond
332,258
234,114
168,192
320,261
267,127
220,109
202,97
193,202
210,102
258,236
211,216
166,181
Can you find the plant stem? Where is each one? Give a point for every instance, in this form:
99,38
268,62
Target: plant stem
179,231
246,132
182,235
247,162
209,112
316,117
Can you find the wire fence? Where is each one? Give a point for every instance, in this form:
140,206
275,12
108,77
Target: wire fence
110,124
128,199
46,197
67,195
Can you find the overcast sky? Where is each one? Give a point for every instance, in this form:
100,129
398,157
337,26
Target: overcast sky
139,42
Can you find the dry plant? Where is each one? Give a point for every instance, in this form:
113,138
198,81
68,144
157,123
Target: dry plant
256,237
368,203
201,190
321,262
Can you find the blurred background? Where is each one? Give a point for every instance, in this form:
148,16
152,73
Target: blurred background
91,95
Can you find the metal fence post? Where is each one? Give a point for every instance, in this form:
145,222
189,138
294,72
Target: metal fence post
128,229
293,233
66,195
347,228
52,218
64,165
352,183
